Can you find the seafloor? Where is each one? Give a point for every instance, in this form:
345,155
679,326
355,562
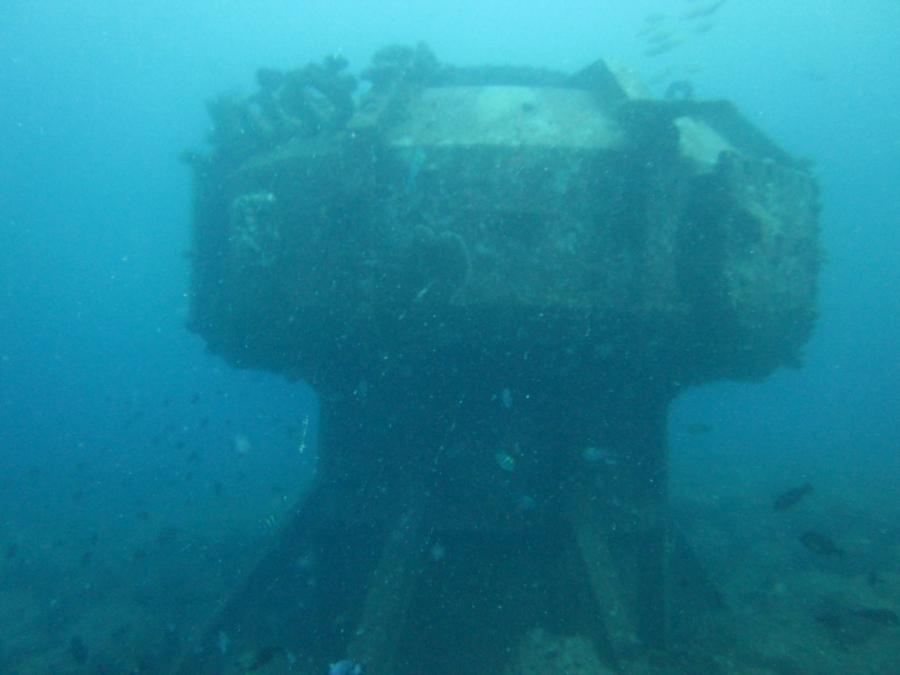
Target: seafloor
126,592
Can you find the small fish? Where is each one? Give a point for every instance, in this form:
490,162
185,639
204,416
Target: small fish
832,619
651,23
346,667
703,11
78,650
660,36
437,552
663,47
697,428
596,455
525,503
857,624
820,544
258,658
222,642
791,497
879,615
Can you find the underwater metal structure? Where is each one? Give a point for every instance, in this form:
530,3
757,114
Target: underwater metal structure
497,279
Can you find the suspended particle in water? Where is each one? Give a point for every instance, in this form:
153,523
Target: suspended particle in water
505,461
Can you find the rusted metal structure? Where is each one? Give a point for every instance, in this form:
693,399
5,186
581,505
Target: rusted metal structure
497,279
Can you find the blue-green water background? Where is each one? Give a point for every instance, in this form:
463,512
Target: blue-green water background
114,423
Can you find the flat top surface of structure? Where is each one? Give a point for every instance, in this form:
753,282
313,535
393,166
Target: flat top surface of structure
505,115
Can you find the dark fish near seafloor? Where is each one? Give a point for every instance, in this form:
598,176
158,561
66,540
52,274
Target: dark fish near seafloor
791,497
260,657
856,625
879,615
696,428
78,650
820,544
